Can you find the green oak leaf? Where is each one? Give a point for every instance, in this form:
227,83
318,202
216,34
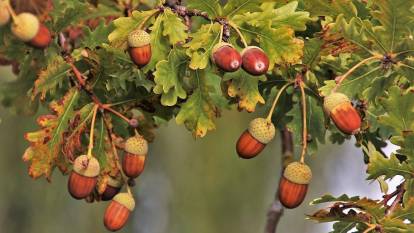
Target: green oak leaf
168,77
396,17
399,107
174,28
331,8
201,45
203,106
234,7
98,36
387,167
50,78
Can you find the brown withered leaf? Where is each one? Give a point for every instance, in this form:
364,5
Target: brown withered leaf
43,154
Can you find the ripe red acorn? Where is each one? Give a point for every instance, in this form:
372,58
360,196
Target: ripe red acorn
83,177
117,213
113,187
226,57
139,43
27,28
293,185
254,60
254,139
134,160
4,13
343,114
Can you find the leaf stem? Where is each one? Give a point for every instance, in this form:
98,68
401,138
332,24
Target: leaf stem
272,109
304,125
350,71
236,28
91,133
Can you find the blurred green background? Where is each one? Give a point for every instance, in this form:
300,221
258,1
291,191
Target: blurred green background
189,186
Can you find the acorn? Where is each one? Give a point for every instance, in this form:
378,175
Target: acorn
4,13
112,188
294,183
27,28
254,139
226,57
139,43
343,114
118,211
136,149
254,60
83,178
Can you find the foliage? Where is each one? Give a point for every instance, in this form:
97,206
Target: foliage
370,43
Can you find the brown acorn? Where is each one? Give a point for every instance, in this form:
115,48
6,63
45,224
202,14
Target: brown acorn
134,160
112,188
226,57
139,43
27,28
254,139
254,60
343,114
118,211
4,13
83,178
293,185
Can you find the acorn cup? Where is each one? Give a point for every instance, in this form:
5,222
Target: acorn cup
343,114
112,188
4,13
255,138
136,149
254,60
226,57
84,176
139,43
27,28
293,185
118,211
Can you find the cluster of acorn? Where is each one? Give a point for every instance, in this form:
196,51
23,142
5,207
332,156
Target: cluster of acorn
252,59
296,177
26,26
84,177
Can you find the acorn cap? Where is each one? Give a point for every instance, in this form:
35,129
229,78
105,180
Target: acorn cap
4,13
115,182
262,130
334,99
219,45
138,38
298,173
92,168
126,200
25,26
136,145
250,47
